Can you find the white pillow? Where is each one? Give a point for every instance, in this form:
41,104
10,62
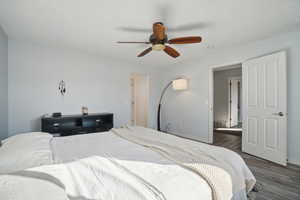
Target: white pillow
25,151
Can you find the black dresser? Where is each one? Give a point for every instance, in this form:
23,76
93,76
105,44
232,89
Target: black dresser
77,124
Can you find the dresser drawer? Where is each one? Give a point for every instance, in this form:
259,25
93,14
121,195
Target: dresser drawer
51,126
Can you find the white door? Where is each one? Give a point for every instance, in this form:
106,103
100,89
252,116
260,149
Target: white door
265,107
140,95
234,84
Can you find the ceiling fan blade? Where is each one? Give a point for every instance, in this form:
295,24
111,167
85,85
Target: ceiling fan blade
189,27
185,40
135,29
133,42
171,52
145,52
159,30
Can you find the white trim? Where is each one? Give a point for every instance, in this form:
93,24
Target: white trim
211,95
294,162
210,106
229,129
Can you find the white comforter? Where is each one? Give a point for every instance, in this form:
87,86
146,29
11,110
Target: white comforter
175,182
114,169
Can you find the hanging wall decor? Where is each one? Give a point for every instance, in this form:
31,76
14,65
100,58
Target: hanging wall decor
62,87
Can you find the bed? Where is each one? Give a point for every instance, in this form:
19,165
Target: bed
127,163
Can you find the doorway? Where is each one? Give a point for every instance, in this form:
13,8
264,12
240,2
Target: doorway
227,104
139,99
264,107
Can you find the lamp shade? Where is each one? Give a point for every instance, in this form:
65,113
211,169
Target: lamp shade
180,84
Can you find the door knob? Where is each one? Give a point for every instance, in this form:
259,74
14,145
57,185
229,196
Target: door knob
279,114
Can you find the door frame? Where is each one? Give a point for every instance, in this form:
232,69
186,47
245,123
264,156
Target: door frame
211,93
212,69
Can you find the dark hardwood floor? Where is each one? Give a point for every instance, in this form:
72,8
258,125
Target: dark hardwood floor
278,182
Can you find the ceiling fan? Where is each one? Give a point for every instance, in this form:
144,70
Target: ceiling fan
159,39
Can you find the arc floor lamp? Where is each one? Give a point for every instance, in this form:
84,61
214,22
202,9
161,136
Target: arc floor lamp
178,84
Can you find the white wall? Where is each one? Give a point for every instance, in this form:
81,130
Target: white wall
3,84
100,84
103,85
188,111
221,94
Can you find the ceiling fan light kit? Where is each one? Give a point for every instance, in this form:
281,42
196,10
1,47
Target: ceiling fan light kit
158,47
159,39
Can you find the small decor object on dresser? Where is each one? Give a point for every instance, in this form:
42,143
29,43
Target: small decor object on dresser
77,124
84,110
57,114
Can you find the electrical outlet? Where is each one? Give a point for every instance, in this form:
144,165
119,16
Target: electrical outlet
182,126
168,127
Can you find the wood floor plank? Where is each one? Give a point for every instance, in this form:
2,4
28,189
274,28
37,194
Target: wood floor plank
278,182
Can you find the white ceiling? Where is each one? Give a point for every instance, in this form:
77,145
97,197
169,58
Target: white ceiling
96,25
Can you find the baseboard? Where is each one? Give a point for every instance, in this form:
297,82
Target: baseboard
294,162
189,137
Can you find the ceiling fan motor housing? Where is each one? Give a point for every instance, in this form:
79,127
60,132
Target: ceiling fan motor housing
153,40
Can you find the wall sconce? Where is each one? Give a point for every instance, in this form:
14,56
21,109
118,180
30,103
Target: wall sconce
62,87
